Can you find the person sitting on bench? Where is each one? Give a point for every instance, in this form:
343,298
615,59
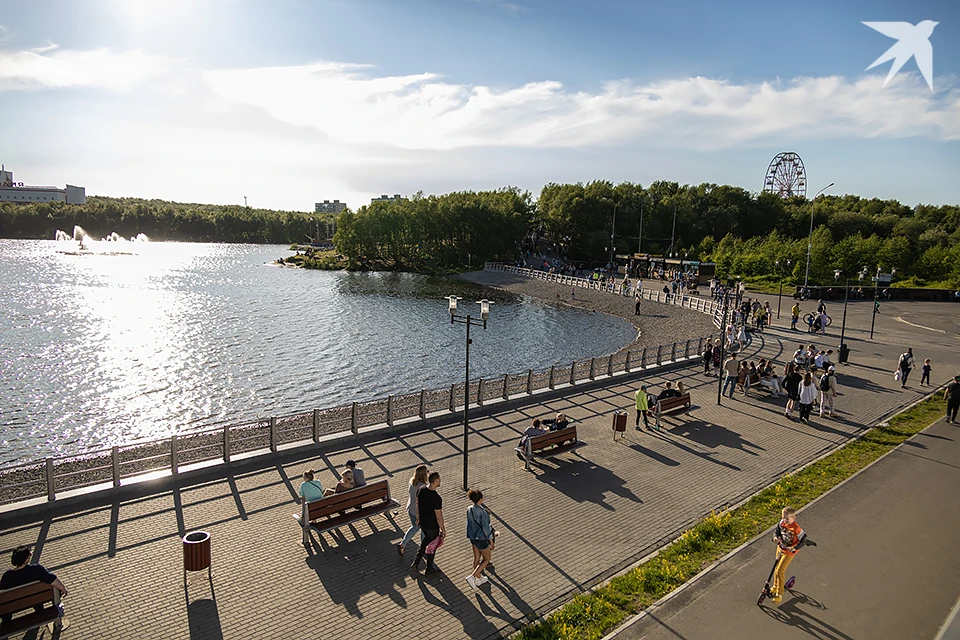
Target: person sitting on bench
768,379
800,356
310,489
24,573
558,423
528,433
669,392
359,479
345,484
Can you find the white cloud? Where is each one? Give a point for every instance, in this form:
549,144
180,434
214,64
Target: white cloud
47,68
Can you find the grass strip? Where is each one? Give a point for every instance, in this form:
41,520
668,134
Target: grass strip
593,615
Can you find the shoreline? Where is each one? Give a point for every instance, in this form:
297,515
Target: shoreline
657,323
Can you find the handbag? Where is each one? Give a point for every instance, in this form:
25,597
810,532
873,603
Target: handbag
896,376
434,545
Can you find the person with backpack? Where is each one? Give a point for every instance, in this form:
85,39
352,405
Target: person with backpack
828,390
707,356
904,367
791,384
808,394
952,395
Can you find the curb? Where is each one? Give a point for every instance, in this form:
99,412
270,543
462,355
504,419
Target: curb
713,565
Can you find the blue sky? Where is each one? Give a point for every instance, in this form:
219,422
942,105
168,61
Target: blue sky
293,101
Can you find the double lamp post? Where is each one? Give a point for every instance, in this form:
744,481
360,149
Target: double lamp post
469,321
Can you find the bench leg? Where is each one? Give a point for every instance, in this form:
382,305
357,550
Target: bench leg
306,538
526,461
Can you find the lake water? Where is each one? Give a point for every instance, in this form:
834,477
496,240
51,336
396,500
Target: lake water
97,350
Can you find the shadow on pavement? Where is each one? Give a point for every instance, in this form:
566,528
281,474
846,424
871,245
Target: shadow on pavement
585,481
357,567
700,454
439,591
713,435
791,613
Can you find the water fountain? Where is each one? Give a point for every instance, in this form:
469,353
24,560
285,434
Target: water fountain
83,244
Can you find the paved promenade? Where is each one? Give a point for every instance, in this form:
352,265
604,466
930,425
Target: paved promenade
568,524
884,566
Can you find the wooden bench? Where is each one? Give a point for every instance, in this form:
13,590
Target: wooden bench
344,508
678,404
27,597
550,444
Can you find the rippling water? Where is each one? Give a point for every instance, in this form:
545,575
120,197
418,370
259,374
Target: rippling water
97,350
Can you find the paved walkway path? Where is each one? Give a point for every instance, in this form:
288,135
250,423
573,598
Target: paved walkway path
885,565
570,523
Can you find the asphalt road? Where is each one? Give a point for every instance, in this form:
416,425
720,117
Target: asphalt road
886,565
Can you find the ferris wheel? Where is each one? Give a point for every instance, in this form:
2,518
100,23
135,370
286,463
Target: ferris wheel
786,176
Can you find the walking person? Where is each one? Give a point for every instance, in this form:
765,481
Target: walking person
828,390
430,511
794,315
904,367
637,297
789,537
952,395
791,384
732,368
707,356
481,536
925,372
643,405
417,482
808,394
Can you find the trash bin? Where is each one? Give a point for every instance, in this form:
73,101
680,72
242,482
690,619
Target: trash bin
196,553
619,423
844,354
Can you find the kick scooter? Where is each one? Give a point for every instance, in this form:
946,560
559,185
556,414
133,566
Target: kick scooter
807,542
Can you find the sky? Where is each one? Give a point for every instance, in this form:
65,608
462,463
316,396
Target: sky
291,102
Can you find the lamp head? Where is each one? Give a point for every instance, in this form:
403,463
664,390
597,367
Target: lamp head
484,309
453,305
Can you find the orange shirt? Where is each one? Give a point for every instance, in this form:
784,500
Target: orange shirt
789,535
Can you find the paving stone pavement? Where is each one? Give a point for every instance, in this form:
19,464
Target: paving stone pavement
566,525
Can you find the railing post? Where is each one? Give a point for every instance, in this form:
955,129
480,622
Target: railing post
273,430
51,481
174,455
573,373
226,442
353,418
686,350
390,411
506,378
673,352
115,463
423,405
316,425
610,365
659,354
700,347
552,370
626,364
643,358
480,393
530,382
593,362
453,397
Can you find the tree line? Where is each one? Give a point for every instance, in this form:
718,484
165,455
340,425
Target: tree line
749,234
161,220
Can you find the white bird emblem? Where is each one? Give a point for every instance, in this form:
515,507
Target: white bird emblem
912,41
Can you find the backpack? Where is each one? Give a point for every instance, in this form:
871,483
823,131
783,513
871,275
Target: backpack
825,382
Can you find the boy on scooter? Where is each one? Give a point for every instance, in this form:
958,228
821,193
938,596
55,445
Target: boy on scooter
789,537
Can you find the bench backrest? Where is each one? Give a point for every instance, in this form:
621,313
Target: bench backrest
553,437
755,378
330,505
672,403
26,596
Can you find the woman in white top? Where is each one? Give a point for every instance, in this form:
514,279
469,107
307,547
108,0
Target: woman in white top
808,394
417,482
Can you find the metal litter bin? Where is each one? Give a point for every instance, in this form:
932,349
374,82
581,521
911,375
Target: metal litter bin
619,423
196,553
844,354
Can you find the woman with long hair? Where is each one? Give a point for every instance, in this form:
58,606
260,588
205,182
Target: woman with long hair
417,481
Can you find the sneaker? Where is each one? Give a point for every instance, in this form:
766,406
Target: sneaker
399,549
472,582
482,580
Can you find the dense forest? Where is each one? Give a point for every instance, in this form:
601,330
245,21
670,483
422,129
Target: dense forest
452,231
747,234
162,220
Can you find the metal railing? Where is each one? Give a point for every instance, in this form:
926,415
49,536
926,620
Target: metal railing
111,466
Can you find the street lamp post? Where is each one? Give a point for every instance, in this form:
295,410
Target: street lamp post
876,291
806,277
723,342
613,228
468,321
780,272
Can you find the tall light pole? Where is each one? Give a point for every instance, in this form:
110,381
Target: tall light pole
806,278
780,271
723,342
613,228
468,321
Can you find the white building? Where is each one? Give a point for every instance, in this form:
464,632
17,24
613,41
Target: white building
329,207
385,198
11,191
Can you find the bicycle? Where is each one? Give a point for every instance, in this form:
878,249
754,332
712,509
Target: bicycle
825,322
